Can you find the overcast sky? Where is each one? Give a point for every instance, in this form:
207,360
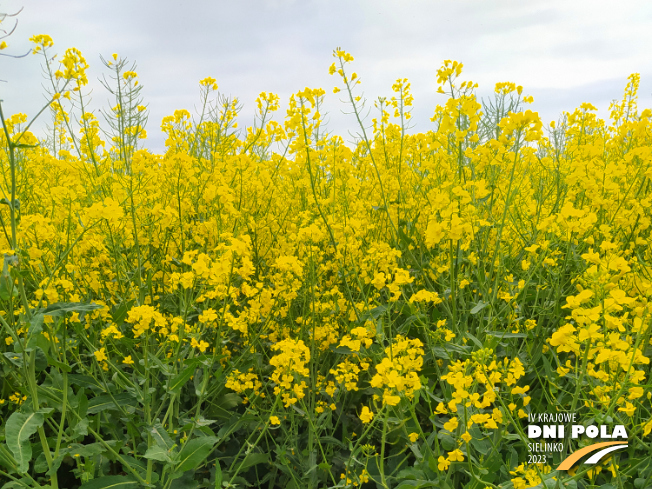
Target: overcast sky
563,52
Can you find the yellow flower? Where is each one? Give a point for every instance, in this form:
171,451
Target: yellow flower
456,455
366,415
467,437
100,355
209,82
379,280
451,424
442,463
41,41
629,409
128,360
519,483
274,420
390,399
290,365
202,345
413,437
397,372
647,428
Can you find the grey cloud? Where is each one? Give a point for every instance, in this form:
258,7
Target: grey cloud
561,57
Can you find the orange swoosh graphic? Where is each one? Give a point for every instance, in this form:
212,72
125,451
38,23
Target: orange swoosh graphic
575,456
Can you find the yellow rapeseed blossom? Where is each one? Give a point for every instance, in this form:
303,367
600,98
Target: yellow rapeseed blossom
100,355
366,415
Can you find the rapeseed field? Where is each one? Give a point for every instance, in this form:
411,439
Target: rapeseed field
274,307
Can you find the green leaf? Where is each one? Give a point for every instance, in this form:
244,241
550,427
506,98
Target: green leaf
547,367
158,453
7,462
475,340
17,484
421,318
155,362
120,314
87,450
52,390
194,452
415,484
112,482
254,459
161,436
481,445
82,403
440,352
103,403
432,463
7,289
332,440
447,441
501,334
131,462
218,474
57,310
179,381
479,307
411,473
404,238
19,428
226,402
86,381
201,421
187,481
41,465
35,324
15,358
374,313
61,308
41,360
58,364
493,463
81,428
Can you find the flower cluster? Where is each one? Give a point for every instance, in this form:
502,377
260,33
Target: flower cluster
397,373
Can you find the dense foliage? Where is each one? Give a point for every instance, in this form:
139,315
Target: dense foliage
276,308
